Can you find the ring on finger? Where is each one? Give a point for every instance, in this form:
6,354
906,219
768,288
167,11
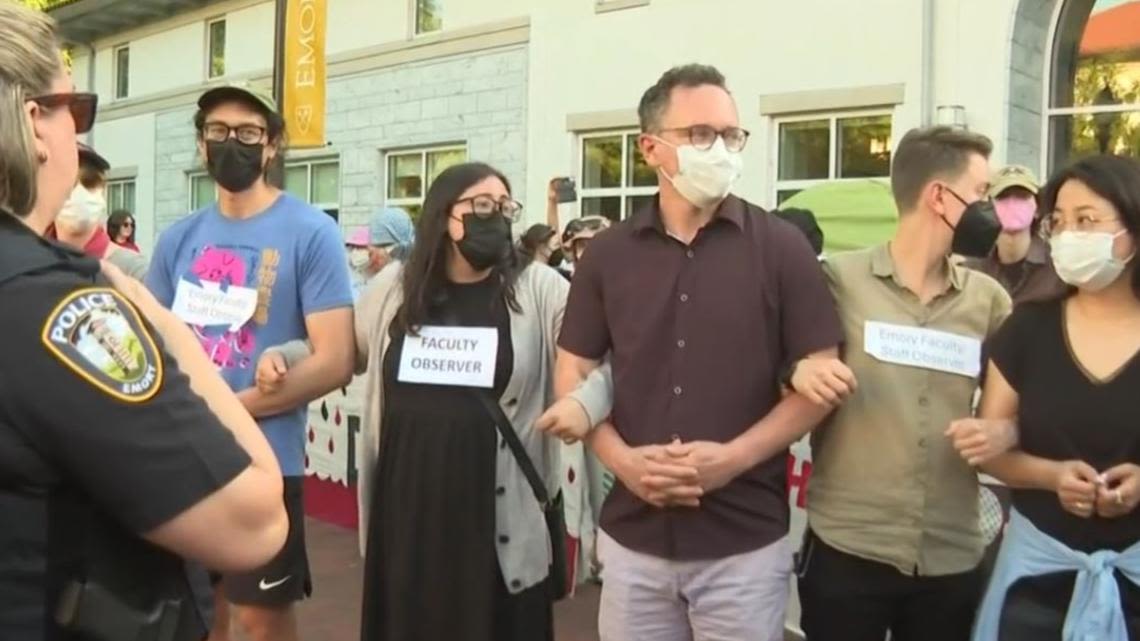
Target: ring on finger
1081,505
1118,496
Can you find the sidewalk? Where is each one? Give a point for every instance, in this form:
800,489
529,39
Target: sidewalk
333,614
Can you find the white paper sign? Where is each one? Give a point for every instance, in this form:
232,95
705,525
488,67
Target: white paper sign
925,348
462,356
209,305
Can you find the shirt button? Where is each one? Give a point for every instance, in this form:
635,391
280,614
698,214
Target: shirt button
516,584
923,401
512,402
922,442
504,539
681,343
499,491
677,391
690,253
684,298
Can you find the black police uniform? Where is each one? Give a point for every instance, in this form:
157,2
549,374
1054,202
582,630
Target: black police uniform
101,438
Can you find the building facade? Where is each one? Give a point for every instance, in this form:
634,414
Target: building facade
544,88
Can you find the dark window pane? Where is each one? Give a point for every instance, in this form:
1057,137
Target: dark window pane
601,162
864,147
638,173
297,181
804,150
785,194
1097,54
429,16
217,49
634,204
608,206
1074,137
122,72
404,179
413,211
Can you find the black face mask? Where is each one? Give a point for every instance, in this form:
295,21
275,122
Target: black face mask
234,166
486,241
977,230
556,259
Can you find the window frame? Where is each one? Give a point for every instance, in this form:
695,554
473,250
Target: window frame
423,154
1053,66
309,164
833,150
623,192
210,75
122,184
415,15
118,78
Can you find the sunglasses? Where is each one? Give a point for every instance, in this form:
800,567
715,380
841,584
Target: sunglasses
81,105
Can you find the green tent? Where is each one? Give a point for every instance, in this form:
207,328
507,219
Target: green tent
852,213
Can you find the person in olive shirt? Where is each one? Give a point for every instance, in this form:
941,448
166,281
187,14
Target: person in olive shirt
1021,260
893,538
702,298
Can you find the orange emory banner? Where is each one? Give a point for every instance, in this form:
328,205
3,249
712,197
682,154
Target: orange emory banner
305,73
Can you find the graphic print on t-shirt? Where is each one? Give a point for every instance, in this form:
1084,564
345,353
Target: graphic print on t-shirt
228,289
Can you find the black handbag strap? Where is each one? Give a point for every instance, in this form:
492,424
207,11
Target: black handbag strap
507,431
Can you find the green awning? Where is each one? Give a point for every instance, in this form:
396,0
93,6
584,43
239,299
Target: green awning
852,213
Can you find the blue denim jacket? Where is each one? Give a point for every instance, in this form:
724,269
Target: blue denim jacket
1094,612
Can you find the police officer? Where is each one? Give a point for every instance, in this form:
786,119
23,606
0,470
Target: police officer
121,450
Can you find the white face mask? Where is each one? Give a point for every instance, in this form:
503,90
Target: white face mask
704,178
83,208
1084,259
358,258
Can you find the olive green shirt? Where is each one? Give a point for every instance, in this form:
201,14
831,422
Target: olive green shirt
887,485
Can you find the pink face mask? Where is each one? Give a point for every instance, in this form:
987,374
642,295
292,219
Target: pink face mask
1015,212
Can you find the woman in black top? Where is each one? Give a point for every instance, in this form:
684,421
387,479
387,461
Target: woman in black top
1068,372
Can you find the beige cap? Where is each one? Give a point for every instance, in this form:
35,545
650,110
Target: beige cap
241,91
1013,176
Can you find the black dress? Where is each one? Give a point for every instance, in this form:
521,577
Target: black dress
1064,414
432,573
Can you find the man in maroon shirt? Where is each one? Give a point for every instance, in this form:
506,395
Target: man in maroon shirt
702,299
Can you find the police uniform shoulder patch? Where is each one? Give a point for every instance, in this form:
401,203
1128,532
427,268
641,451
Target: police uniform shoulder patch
100,336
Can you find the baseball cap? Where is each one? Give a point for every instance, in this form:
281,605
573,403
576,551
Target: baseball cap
238,91
357,236
1013,176
87,154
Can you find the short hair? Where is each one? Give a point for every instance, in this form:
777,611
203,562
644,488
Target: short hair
933,152
90,176
804,220
655,100
1113,178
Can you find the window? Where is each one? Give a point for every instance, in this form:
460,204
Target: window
429,16
121,195
122,71
216,49
817,149
203,192
316,182
1094,98
410,173
615,181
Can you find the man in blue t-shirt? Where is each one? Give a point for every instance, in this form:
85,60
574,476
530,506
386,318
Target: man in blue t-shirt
257,269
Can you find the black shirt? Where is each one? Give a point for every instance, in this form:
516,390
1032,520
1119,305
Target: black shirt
700,334
1064,415
90,405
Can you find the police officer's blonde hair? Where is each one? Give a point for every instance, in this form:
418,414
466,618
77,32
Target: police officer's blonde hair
29,61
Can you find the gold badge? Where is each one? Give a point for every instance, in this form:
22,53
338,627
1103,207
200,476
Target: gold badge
101,337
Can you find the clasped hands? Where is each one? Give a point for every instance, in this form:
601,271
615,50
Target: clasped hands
678,474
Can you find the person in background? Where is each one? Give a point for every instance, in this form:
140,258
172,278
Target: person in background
80,221
1066,372
358,246
540,243
1020,261
804,220
578,234
121,228
694,537
393,235
893,541
279,264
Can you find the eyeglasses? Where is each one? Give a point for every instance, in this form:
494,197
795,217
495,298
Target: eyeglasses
245,134
81,105
485,206
704,136
1056,223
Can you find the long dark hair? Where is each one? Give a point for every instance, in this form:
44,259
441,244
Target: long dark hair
532,239
115,223
425,273
1113,178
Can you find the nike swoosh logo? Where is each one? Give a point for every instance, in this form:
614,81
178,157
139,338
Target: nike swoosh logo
265,585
